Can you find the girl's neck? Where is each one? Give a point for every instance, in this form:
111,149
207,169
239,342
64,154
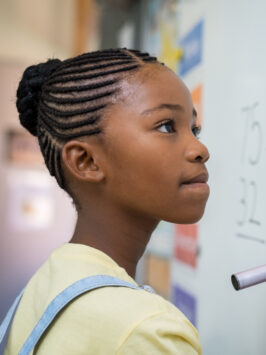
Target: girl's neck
121,236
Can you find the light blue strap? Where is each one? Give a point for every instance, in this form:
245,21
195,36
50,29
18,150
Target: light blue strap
61,300
148,288
4,327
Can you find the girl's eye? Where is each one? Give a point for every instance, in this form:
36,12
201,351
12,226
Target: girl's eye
168,127
167,124
196,131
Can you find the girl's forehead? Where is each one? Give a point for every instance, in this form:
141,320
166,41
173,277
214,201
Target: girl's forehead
152,84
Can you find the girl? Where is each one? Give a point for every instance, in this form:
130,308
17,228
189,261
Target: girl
118,131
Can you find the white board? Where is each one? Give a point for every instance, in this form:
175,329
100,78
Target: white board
233,229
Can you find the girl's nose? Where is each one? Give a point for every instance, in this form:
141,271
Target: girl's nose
197,152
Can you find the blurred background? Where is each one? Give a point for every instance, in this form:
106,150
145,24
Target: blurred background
219,50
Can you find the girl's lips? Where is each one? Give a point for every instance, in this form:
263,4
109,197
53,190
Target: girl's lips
201,178
201,186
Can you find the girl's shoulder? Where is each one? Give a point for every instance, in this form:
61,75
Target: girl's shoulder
115,312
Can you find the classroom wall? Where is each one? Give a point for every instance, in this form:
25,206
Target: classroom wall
29,232
34,30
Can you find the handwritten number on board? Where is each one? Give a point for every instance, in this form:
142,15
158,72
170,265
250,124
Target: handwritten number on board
243,202
254,203
247,201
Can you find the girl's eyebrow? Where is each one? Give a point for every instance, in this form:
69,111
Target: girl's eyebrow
175,107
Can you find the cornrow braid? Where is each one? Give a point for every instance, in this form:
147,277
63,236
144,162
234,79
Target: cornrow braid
61,100
92,67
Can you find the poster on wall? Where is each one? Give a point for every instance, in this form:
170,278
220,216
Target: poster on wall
185,302
186,244
161,242
30,200
158,274
22,149
196,95
191,45
161,31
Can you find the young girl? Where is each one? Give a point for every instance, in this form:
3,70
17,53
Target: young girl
118,131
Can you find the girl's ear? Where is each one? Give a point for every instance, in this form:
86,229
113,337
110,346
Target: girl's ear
80,161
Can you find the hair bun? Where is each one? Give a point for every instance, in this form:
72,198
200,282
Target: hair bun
29,92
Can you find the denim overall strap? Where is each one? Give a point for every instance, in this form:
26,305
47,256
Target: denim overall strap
68,294
6,324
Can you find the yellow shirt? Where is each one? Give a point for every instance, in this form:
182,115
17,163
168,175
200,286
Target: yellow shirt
105,321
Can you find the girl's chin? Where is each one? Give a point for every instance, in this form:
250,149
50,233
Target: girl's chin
190,218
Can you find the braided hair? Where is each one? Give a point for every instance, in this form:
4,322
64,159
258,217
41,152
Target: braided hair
61,100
